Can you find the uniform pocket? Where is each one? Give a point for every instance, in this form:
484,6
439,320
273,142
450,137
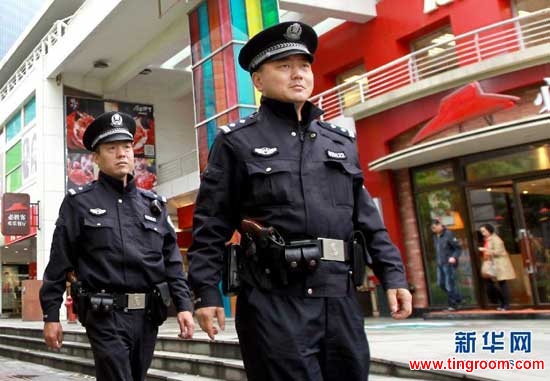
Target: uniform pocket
99,232
270,182
340,179
152,237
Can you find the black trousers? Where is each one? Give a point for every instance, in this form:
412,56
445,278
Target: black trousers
286,338
122,343
498,292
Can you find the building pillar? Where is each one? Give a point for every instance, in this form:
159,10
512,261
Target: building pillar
222,91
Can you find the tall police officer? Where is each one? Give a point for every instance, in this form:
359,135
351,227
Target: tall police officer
118,241
297,317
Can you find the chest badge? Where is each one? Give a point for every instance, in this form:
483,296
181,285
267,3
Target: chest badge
265,151
336,155
150,218
97,211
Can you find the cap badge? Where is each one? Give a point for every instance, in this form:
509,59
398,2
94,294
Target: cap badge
116,120
293,32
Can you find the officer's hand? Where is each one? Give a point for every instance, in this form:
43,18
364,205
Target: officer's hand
53,334
205,317
186,323
400,302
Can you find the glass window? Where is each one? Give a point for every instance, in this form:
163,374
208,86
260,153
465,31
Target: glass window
434,176
13,157
447,205
530,159
29,111
440,57
13,126
13,180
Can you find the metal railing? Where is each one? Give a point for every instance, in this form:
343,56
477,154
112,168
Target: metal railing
505,37
178,167
54,35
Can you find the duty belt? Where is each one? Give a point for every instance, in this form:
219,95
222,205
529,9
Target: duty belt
312,250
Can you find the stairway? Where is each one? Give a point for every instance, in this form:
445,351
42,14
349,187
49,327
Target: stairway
199,359
174,359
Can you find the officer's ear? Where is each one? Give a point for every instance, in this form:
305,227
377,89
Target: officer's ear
95,155
257,80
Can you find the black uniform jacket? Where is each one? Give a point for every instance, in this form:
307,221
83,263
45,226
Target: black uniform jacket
112,238
304,179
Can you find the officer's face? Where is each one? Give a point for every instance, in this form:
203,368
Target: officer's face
115,159
289,79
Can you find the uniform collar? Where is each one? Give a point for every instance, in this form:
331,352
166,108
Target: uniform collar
287,111
116,184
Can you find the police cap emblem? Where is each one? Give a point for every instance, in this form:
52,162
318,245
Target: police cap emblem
293,32
116,120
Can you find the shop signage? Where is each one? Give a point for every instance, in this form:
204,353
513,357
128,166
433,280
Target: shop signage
464,104
431,5
15,214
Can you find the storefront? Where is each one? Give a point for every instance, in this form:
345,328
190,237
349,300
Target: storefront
442,135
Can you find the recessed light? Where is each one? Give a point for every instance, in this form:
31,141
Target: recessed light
101,64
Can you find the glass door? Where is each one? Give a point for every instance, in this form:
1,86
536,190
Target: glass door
495,204
534,234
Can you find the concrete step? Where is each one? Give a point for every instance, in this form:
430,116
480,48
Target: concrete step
174,359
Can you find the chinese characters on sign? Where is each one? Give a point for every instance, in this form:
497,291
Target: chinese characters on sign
15,214
493,341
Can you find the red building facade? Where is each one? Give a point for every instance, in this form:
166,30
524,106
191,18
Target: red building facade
475,73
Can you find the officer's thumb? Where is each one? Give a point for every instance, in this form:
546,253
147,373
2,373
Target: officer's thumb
220,316
392,300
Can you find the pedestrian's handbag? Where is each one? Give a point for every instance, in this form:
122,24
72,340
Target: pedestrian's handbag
488,269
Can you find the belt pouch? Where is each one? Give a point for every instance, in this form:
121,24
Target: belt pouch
157,306
231,281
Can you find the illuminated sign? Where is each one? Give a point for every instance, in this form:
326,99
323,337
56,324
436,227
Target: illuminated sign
15,214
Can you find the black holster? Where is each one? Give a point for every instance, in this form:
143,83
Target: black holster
359,257
231,281
81,303
158,302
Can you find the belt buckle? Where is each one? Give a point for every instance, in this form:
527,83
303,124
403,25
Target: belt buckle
333,249
136,301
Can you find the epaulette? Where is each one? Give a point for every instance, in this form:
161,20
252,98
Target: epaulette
152,195
339,130
81,189
231,127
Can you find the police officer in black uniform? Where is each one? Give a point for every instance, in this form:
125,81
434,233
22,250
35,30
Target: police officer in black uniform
297,316
117,240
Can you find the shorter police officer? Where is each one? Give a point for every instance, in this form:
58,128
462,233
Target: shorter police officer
117,240
293,187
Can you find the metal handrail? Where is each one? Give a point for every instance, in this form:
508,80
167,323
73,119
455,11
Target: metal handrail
504,37
54,35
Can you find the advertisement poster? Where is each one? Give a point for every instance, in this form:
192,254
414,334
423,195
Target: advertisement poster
80,112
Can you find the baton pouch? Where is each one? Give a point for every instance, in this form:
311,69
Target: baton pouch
159,300
231,282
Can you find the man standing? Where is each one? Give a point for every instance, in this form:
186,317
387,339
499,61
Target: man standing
117,240
297,183
447,251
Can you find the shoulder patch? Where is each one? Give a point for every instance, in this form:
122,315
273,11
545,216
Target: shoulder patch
81,189
152,195
231,127
336,129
